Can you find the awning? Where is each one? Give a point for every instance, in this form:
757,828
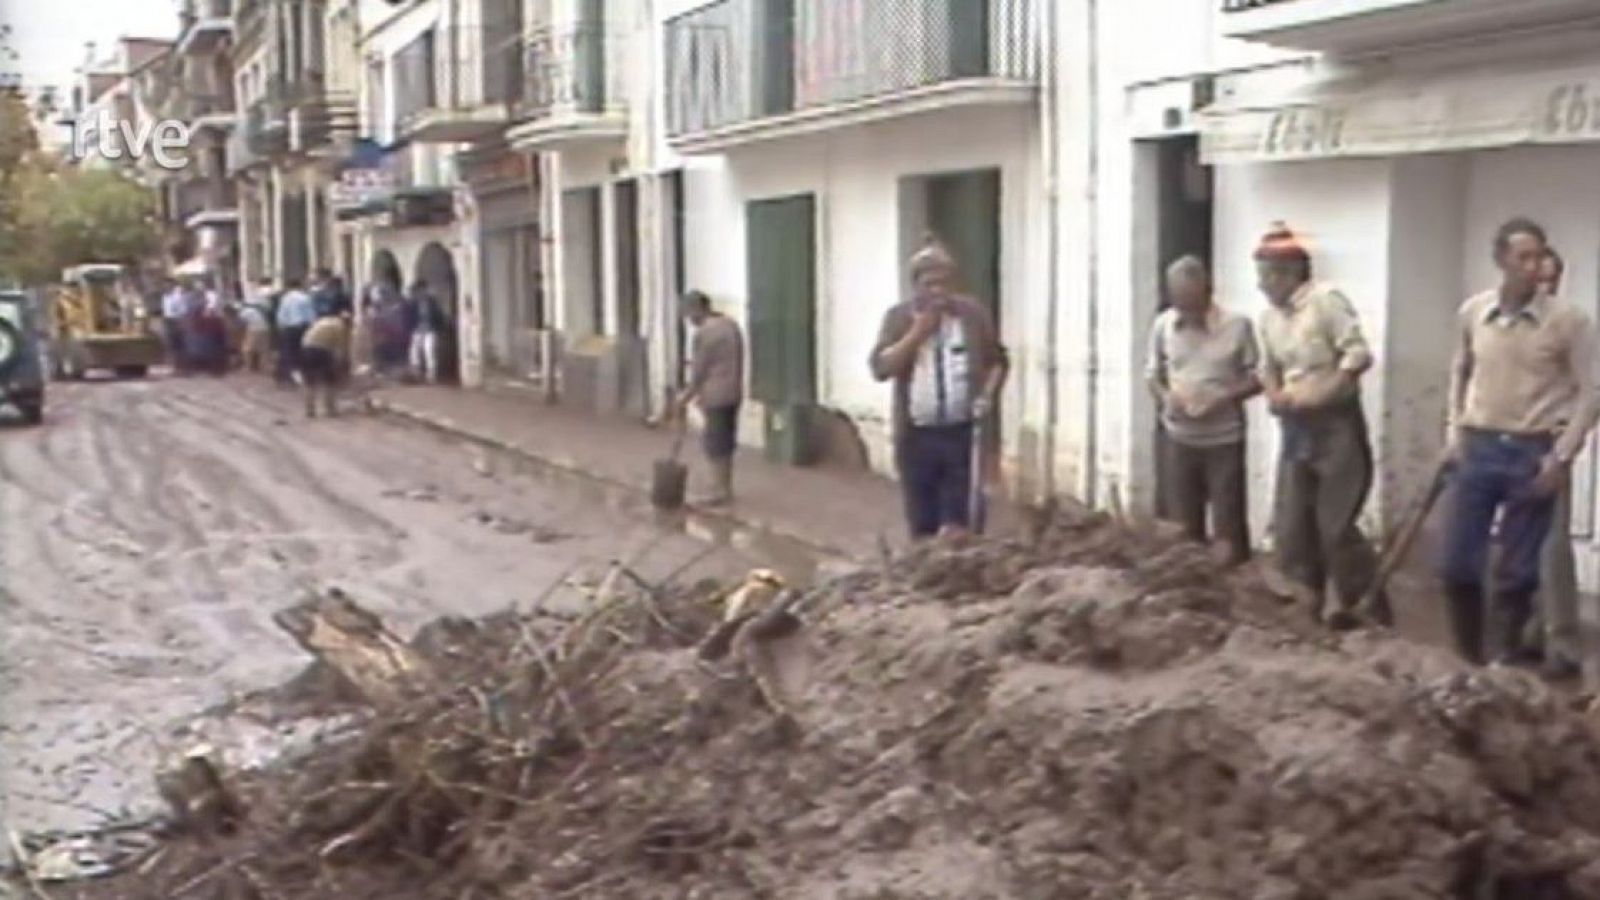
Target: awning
1462,110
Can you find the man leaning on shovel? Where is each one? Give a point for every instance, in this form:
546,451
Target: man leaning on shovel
716,384
942,353
1522,401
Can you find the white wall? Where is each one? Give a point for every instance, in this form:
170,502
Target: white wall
1427,211
855,174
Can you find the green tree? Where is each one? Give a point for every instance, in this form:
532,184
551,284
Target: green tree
19,151
99,215
53,215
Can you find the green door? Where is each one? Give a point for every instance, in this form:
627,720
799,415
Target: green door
964,211
781,258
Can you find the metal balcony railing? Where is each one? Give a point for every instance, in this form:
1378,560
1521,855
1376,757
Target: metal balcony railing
205,194
458,68
738,60
194,106
574,69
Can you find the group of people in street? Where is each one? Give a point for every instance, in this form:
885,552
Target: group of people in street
1522,401
195,324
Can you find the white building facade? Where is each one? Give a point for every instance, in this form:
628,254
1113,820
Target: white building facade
814,145
1394,135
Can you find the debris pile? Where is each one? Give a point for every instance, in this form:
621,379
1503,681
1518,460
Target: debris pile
1096,713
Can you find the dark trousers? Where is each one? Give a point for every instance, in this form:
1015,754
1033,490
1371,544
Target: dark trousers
935,465
721,437
1324,476
1495,475
289,351
1209,478
177,353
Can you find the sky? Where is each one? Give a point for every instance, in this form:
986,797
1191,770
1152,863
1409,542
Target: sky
49,35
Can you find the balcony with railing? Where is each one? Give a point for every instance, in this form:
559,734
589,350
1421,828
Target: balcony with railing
741,71
1343,26
457,83
257,141
205,199
207,26
574,90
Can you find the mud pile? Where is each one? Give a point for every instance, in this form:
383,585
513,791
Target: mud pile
1095,714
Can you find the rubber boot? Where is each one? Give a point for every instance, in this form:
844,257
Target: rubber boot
1466,620
721,483
1511,612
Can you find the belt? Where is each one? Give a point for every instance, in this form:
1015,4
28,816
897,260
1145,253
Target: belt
1536,438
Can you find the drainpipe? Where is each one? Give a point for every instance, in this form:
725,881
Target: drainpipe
1049,121
1092,198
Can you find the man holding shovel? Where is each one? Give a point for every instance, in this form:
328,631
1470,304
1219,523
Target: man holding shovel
1522,401
942,353
716,383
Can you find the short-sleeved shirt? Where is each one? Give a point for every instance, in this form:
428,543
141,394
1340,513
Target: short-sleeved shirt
1216,356
1529,371
1315,336
717,363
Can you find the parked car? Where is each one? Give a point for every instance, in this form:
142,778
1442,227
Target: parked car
22,365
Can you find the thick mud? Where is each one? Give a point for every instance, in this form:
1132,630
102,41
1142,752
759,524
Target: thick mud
149,530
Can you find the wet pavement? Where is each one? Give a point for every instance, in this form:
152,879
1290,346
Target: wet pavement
150,529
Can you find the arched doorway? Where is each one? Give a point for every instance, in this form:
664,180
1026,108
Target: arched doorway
437,269
386,270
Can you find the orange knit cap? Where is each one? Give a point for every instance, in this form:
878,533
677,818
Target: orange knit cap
1279,243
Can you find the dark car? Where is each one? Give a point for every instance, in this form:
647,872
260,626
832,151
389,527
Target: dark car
21,363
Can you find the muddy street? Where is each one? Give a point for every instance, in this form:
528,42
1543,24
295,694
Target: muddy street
150,529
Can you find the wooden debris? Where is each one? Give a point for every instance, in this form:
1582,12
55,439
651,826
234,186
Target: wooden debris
355,643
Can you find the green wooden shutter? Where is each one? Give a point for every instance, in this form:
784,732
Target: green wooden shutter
781,259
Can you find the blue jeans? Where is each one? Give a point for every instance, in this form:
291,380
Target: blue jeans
1496,473
935,465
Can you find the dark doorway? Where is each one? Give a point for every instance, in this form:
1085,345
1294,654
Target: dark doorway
964,213
296,237
625,204
1182,207
581,295
386,269
680,278
437,269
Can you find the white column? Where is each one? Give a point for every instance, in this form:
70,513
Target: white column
275,223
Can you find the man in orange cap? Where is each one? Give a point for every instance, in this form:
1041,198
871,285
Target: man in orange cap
941,351
1313,356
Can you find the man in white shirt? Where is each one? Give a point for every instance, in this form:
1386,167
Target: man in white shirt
173,309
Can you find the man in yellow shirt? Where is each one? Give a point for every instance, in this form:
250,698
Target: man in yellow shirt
322,355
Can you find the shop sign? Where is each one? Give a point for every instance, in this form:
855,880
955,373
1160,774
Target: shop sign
1465,112
357,187
504,169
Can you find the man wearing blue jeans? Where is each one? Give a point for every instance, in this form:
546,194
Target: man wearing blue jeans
1522,401
941,351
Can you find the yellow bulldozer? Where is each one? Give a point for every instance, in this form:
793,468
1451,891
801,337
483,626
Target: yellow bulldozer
96,321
